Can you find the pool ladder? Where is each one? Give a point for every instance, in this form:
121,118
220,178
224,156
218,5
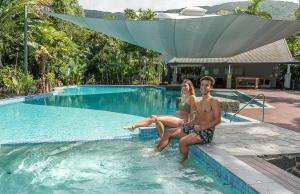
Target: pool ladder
263,107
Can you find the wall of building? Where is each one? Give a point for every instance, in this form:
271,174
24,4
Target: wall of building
219,71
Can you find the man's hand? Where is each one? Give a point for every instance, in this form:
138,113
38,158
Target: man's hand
198,128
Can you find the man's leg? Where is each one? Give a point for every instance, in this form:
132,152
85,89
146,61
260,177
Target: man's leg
160,128
185,141
174,132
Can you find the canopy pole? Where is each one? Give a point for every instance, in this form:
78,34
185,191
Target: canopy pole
174,80
228,84
287,77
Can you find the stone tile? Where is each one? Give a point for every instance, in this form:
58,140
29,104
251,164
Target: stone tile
270,188
256,139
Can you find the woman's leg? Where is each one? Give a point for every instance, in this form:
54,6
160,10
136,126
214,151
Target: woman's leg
170,121
161,122
142,123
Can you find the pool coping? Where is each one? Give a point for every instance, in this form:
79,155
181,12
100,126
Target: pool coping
246,179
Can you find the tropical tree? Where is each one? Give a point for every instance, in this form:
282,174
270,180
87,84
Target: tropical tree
253,8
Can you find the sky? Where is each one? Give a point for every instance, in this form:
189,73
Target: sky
157,5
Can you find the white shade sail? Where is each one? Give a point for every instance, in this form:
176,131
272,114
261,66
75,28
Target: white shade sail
205,37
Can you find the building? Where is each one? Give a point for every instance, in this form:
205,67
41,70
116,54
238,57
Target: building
255,68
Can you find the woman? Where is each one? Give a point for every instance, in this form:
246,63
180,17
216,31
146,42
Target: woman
185,108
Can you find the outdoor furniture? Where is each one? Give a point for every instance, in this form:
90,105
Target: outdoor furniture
248,82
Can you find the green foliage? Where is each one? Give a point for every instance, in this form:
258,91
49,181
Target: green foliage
63,52
50,79
253,8
14,82
91,80
297,13
280,10
27,84
294,46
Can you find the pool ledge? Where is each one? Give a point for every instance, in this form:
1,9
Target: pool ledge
246,179
242,139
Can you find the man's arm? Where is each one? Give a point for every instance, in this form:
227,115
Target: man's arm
193,112
216,109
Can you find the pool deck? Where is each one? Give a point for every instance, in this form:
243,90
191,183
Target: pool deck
286,111
237,145
256,139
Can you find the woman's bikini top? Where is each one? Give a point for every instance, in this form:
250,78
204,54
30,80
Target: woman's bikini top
183,106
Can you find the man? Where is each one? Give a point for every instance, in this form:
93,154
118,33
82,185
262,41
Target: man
201,128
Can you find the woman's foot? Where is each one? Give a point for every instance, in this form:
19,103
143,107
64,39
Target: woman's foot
130,127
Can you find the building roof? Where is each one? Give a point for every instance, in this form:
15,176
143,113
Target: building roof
277,52
203,37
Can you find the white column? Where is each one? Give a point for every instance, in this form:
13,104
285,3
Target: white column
228,84
287,78
174,80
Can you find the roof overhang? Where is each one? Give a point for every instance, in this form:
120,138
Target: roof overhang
274,53
205,37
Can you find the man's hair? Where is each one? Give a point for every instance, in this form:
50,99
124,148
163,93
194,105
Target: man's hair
209,78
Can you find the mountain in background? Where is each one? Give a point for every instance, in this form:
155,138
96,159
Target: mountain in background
101,14
280,10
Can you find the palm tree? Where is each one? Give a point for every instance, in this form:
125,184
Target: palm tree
254,9
42,57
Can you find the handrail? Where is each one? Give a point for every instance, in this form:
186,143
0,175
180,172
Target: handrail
263,113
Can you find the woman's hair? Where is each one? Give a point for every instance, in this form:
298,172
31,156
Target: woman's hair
191,86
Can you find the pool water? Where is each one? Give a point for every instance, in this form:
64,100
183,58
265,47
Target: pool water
242,98
82,113
119,166
228,94
95,115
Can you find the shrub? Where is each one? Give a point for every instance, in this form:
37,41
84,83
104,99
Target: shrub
91,80
27,85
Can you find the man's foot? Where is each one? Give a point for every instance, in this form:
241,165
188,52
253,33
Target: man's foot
130,127
153,152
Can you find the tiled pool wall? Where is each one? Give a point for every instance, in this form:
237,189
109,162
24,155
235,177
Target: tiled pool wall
58,141
204,159
218,170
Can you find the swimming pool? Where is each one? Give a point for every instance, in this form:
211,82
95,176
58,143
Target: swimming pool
82,113
120,166
109,164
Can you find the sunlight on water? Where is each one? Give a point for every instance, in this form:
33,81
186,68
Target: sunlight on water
101,167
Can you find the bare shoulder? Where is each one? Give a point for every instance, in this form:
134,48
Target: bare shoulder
192,97
215,100
215,103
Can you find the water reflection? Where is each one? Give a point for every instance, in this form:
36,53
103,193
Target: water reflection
141,102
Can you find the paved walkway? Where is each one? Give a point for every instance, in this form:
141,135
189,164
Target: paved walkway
256,139
286,111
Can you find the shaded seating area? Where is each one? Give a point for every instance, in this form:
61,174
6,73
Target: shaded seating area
249,82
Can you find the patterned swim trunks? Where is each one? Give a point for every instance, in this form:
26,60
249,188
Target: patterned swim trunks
205,135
